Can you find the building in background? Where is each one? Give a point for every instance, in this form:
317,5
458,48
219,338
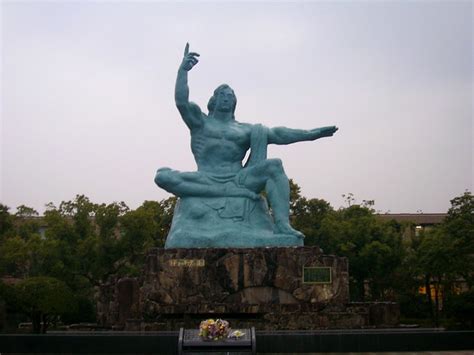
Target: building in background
417,222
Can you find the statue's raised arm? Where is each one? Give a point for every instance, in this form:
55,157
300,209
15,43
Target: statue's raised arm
190,112
283,135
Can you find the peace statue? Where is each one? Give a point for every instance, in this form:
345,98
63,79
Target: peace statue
221,204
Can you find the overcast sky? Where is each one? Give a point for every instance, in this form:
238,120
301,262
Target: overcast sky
88,95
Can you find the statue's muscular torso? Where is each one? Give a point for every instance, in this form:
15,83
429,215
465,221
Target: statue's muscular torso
219,147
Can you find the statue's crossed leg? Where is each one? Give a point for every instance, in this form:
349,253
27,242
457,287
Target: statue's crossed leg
267,175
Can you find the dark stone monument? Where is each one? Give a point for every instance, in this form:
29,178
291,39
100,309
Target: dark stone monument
269,288
226,255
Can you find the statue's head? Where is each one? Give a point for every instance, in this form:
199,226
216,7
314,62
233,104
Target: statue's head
223,100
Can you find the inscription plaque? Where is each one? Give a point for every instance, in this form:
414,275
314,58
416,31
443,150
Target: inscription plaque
317,275
187,262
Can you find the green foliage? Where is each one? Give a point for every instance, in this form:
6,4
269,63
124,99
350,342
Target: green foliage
80,210
414,305
23,211
85,243
142,227
100,252
459,228
443,257
7,293
43,298
295,194
307,217
438,255
83,312
6,220
373,247
448,251
461,309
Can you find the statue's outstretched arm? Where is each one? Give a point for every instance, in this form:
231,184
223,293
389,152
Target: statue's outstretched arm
190,112
283,135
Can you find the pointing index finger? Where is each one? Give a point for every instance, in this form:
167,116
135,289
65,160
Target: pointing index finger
186,49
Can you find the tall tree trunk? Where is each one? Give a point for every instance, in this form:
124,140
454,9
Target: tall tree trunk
44,323
428,296
36,320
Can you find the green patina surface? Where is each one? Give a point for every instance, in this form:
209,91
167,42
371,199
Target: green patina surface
221,203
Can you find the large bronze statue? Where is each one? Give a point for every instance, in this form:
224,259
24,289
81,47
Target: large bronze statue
221,204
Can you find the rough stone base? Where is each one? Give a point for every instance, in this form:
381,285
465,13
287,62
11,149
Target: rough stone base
261,287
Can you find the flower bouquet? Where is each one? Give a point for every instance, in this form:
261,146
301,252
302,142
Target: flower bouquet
214,329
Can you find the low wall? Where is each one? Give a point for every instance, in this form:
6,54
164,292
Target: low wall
267,342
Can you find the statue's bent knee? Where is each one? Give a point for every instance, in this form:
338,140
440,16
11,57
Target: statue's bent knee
165,178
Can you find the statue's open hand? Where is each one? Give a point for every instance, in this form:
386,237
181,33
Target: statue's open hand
327,131
189,59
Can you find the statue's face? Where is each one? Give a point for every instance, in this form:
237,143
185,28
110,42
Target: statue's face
225,100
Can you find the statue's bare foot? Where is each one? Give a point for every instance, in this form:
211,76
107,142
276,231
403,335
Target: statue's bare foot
285,228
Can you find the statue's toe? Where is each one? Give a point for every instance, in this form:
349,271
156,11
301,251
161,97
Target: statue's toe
285,228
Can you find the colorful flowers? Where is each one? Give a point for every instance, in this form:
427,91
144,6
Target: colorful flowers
211,329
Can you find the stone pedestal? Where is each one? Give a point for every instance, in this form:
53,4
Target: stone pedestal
269,288
225,222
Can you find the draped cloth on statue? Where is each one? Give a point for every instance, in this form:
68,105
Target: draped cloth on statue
207,222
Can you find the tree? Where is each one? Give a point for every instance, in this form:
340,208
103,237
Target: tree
80,210
146,227
94,241
14,257
446,253
461,309
373,247
43,298
307,217
23,211
6,220
26,221
60,245
459,228
100,253
21,245
437,260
